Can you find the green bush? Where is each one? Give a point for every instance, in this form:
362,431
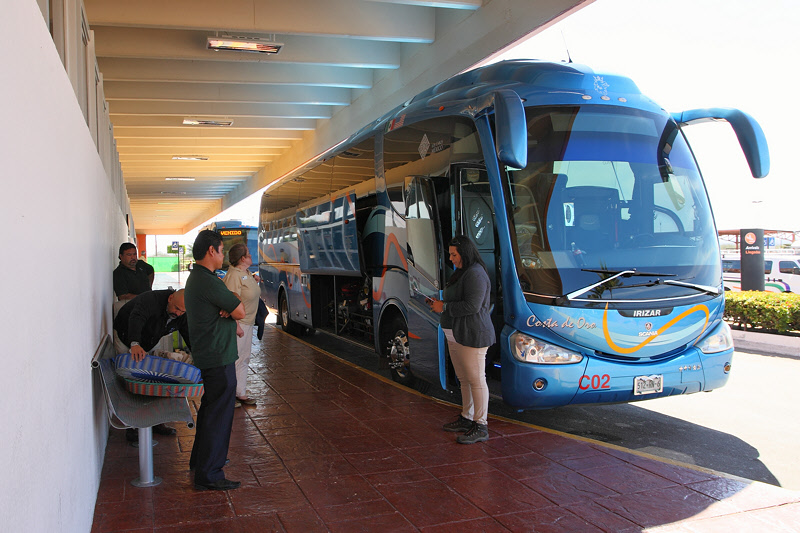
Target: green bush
765,310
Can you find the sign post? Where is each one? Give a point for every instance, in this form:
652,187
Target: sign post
176,248
751,248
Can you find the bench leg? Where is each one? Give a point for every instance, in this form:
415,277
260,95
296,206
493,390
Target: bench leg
146,477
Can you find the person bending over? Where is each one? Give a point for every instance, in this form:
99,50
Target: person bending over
141,324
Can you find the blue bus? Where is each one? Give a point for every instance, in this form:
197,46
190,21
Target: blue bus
234,232
588,208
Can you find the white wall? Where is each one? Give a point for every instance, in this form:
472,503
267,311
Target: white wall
62,224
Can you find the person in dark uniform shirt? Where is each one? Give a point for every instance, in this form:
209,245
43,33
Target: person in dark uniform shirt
212,312
130,278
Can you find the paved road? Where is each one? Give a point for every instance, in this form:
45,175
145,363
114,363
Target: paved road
749,428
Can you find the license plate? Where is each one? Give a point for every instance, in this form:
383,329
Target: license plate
648,384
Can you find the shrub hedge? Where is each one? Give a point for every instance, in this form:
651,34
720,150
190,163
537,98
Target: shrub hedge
779,312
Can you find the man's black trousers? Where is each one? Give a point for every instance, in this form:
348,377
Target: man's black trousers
214,422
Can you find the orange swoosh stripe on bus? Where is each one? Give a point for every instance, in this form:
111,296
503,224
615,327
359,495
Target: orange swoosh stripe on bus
347,199
270,247
390,239
417,337
662,329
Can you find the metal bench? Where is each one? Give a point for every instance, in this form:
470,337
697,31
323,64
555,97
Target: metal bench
128,410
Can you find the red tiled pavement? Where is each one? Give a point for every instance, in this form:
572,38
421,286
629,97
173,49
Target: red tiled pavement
331,447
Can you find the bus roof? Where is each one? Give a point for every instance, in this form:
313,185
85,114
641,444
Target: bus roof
536,82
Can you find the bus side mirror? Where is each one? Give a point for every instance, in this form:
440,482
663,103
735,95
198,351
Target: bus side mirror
751,136
511,132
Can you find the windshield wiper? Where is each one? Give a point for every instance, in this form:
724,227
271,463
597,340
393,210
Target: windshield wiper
616,274
703,288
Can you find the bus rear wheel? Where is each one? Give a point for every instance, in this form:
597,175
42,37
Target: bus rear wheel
287,324
395,346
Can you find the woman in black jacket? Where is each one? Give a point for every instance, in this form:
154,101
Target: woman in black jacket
469,331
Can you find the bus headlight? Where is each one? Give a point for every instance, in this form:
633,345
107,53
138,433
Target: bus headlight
717,341
531,350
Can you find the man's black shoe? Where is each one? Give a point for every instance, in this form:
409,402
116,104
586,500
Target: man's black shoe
163,429
222,484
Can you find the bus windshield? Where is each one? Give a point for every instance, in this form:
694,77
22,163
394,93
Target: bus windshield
609,190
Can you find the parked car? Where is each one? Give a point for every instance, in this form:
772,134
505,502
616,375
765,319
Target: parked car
781,272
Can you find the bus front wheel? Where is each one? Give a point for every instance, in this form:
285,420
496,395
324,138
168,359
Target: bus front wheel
395,346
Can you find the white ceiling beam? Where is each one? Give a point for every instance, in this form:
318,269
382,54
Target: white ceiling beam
268,123
356,18
207,133
191,143
203,181
471,5
176,44
164,160
171,70
176,204
226,92
212,165
230,178
227,109
164,186
154,152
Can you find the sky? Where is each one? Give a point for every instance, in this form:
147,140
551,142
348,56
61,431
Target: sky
688,54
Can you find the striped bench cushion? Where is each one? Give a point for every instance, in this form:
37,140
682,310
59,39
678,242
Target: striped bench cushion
157,369
152,388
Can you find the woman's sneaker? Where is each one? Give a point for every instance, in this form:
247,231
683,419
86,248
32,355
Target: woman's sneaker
477,433
459,425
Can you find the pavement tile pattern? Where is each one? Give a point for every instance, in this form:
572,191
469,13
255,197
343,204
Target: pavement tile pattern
331,447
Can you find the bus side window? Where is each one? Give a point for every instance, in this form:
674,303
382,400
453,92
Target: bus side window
410,197
395,193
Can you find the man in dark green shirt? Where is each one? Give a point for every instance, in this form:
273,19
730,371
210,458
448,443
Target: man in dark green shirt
212,311
131,277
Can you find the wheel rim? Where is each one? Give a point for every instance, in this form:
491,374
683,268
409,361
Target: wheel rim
398,353
284,312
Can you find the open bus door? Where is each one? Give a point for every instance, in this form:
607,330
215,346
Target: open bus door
424,246
476,219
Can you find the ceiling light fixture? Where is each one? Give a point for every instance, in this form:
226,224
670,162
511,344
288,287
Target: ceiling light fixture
191,157
244,44
178,179
206,122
